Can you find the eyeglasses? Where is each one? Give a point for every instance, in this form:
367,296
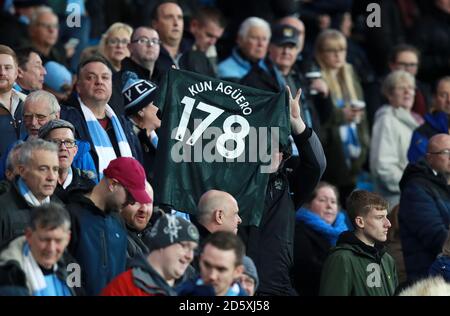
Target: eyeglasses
442,152
147,41
41,118
407,65
116,41
68,143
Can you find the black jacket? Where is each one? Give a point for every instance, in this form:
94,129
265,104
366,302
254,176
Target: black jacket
271,244
192,60
15,214
127,64
310,251
424,217
80,183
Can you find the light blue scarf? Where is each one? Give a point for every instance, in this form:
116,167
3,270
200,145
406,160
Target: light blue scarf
315,222
102,143
28,195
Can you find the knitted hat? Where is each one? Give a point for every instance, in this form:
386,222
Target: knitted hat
137,93
171,229
250,269
58,77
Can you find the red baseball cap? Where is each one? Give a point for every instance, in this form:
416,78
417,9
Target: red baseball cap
130,173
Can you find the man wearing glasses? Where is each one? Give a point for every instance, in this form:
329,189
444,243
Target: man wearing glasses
424,214
44,32
144,51
70,179
99,237
39,107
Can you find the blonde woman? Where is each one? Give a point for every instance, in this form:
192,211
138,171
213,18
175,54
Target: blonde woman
345,137
114,44
391,134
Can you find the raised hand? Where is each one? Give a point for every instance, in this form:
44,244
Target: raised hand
297,124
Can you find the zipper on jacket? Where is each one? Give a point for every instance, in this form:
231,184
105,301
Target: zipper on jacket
104,250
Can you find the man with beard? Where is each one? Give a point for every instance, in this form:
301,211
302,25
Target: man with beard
10,105
99,237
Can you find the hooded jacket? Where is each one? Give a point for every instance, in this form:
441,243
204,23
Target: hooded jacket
99,243
140,280
356,269
424,217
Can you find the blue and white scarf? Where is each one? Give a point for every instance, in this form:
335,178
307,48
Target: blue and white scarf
28,195
102,143
42,285
315,222
350,139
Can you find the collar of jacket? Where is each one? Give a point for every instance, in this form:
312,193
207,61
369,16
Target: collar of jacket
148,280
348,240
130,65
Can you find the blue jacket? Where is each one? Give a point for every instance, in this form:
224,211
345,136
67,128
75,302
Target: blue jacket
435,123
236,66
441,266
98,242
424,217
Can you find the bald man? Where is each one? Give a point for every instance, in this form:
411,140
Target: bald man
424,215
217,211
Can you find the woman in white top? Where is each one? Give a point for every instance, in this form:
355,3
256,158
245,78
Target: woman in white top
391,134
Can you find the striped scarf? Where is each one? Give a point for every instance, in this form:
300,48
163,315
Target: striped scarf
28,195
102,143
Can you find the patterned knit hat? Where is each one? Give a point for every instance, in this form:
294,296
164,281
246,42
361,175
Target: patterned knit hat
137,93
170,229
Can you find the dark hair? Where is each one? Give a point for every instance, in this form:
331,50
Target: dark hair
23,55
154,14
438,82
400,48
50,216
96,58
360,202
225,240
205,14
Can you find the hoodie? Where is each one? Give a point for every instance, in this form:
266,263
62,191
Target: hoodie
356,269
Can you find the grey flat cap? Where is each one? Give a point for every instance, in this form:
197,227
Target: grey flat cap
54,124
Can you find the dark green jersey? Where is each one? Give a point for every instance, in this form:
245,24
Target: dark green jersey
217,135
